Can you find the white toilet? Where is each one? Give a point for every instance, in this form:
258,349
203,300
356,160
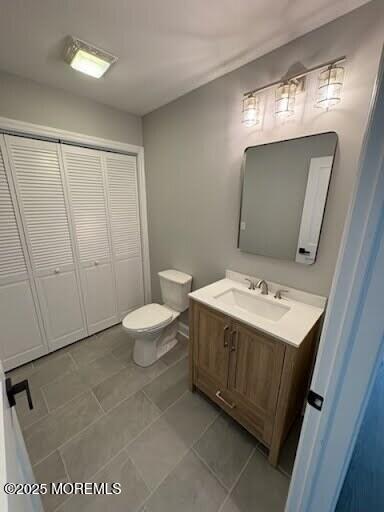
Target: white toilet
154,326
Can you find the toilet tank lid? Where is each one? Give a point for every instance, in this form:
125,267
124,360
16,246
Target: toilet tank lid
176,276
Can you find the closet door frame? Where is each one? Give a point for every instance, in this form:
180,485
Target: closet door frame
25,356
49,133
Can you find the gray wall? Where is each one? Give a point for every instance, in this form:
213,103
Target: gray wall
194,146
29,101
275,182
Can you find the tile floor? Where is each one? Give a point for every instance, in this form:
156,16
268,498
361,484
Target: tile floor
99,418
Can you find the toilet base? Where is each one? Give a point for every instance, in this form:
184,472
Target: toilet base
149,350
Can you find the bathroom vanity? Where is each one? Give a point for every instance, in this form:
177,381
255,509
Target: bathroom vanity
252,354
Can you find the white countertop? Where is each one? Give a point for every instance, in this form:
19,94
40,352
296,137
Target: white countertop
291,328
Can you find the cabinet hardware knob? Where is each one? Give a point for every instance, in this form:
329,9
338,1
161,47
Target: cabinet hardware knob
57,271
228,404
226,328
96,262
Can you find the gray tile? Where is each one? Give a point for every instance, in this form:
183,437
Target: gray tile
89,350
169,386
124,352
190,487
51,357
48,471
288,452
51,369
99,370
154,370
133,490
29,416
71,384
113,337
88,452
156,452
178,352
261,488
47,434
20,373
190,416
63,389
225,447
120,386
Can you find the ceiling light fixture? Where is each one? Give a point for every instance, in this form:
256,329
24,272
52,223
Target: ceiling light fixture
330,86
251,110
88,59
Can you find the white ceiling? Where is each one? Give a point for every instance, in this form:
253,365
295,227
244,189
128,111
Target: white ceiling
165,47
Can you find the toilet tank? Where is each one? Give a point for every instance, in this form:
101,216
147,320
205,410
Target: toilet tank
175,287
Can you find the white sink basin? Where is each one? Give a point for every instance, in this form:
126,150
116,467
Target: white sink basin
253,304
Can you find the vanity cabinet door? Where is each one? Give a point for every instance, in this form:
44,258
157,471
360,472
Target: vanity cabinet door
256,363
211,348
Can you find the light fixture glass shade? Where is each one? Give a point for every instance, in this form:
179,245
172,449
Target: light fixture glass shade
88,59
251,110
330,86
285,99
89,64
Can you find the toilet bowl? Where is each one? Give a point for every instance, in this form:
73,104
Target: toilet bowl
154,326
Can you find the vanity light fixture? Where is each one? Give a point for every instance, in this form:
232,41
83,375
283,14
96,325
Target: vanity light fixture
251,110
330,86
88,59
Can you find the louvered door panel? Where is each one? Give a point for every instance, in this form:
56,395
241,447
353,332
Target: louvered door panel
86,184
12,261
123,203
40,187
21,334
38,178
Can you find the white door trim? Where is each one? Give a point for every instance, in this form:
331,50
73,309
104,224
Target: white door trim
35,130
352,337
144,225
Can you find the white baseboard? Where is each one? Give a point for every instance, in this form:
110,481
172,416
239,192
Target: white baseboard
183,329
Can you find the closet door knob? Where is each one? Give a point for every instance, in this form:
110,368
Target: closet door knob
57,271
96,262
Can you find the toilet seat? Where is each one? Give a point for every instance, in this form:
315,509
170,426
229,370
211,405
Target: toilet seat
148,318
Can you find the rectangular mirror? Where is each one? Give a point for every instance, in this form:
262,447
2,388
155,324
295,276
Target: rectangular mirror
285,186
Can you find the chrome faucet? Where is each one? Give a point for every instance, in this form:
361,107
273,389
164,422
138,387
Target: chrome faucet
252,284
263,285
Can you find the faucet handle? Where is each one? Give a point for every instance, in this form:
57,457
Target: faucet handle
251,283
279,292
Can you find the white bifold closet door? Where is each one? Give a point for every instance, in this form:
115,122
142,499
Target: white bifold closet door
21,333
123,201
38,175
88,199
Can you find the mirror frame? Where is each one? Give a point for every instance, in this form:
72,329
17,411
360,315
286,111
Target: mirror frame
242,178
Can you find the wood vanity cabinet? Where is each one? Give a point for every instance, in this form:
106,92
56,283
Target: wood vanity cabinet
260,381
